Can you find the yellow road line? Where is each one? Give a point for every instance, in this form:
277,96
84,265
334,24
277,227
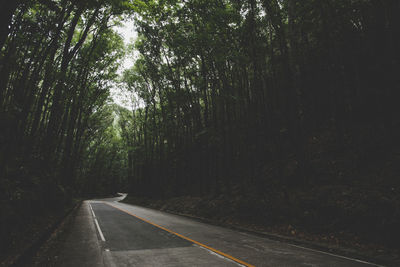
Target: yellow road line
187,238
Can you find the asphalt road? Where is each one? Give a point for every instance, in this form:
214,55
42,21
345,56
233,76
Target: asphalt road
109,233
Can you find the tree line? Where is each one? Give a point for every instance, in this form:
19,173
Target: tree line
58,59
229,97
226,86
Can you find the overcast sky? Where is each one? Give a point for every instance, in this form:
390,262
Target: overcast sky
129,34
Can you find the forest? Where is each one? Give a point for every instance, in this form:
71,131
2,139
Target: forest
277,113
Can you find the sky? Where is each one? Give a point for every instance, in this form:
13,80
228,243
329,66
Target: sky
129,34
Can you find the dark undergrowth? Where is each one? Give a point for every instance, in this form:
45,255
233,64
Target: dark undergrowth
22,229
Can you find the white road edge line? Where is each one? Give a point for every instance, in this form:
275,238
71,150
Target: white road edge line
98,228
97,225
338,256
94,216
219,256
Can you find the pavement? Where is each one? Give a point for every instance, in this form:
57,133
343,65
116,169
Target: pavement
109,233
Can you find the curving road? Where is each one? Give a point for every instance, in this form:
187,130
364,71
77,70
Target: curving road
109,233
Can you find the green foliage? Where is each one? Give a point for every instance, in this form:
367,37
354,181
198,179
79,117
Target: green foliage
219,90
230,85
57,62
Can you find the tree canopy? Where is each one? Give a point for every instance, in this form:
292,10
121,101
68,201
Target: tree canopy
58,60
228,97
229,85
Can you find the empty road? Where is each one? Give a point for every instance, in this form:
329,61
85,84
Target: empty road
109,233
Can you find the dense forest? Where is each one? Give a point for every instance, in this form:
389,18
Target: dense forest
286,109
57,61
280,111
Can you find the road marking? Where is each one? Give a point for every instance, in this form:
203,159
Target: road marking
94,216
98,228
219,256
97,225
338,256
186,238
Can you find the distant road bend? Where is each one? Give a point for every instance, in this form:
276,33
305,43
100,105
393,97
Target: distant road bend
109,233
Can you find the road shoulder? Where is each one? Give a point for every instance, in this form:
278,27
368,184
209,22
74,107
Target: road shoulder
74,243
